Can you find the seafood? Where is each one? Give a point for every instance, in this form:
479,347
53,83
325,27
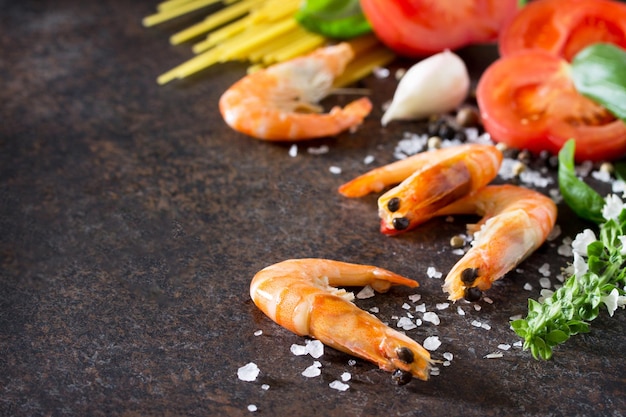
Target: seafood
300,295
279,103
516,221
428,181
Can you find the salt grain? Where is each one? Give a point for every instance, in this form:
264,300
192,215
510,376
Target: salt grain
406,323
504,346
488,300
545,283
406,306
339,386
248,372
252,408
258,333
315,348
265,387
346,376
442,306
545,270
476,323
431,343
374,310
528,287
313,370
366,292
431,272
421,308
434,371
460,311
298,350
320,150
448,356
485,326
415,297
431,318
494,355
368,159
335,170
293,151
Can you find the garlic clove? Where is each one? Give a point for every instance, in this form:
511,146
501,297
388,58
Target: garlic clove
437,84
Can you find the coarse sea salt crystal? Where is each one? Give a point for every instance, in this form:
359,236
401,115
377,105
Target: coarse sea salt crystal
504,346
252,408
448,356
298,350
315,348
265,387
421,308
248,372
431,343
433,273
406,306
460,311
434,371
493,355
320,150
406,323
335,170
366,292
528,287
346,376
368,159
442,306
545,270
293,151
258,333
431,318
313,370
545,282
374,310
476,323
485,326
415,297
339,386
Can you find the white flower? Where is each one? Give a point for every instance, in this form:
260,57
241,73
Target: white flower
580,265
583,239
611,301
613,207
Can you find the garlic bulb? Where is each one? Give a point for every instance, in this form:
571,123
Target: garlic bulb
437,84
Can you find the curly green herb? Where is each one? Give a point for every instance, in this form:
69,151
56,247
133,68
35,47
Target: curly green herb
599,274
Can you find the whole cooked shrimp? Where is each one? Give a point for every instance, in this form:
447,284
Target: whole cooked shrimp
280,102
428,181
516,221
300,295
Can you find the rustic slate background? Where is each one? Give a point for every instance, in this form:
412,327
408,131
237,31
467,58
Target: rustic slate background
132,220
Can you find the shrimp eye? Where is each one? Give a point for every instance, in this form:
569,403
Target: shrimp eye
472,294
405,354
400,223
400,377
469,275
393,204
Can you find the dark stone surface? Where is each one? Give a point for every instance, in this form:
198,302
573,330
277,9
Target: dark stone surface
132,220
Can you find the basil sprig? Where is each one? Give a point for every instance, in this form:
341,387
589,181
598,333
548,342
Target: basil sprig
580,197
339,19
599,73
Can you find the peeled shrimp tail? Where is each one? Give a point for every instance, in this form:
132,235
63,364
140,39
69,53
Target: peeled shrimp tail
299,294
516,222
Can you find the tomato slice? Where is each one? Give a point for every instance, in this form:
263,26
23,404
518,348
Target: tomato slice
423,27
528,101
564,27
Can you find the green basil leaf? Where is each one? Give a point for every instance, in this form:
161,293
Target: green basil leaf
580,197
599,73
339,19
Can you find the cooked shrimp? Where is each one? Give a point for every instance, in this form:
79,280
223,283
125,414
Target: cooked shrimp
300,295
279,102
428,181
516,221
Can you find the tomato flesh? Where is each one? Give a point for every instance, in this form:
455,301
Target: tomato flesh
417,28
528,101
564,27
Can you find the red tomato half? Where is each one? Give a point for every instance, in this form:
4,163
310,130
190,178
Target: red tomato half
424,27
528,101
564,27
